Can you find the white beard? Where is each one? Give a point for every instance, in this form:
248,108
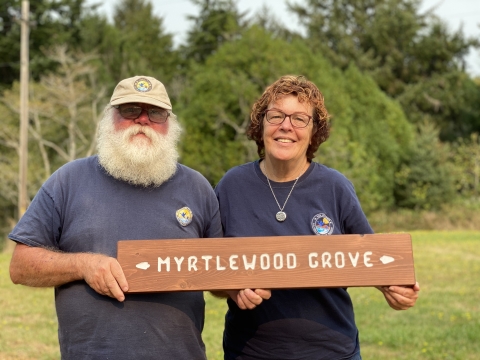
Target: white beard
138,161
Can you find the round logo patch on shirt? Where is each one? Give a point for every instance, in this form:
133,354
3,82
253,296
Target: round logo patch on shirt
142,85
322,224
184,216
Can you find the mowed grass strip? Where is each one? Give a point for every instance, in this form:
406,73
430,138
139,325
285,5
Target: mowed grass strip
445,323
28,324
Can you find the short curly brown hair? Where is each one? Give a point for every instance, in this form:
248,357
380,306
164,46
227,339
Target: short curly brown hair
305,91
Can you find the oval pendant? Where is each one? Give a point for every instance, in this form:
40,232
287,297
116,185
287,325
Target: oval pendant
281,216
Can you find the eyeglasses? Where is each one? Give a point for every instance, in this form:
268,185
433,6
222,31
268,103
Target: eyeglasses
298,120
132,112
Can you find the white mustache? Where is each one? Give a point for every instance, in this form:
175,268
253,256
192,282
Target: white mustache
139,129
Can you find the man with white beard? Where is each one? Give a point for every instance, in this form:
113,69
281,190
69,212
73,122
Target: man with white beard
133,189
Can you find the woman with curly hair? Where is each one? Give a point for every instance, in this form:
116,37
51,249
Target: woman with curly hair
285,193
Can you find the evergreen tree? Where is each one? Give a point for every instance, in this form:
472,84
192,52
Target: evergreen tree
425,179
451,100
402,50
139,44
369,130
218,22
52,22
466,162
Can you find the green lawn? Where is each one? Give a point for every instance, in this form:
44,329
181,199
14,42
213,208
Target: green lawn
445,323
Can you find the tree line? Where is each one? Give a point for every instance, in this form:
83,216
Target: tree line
405,114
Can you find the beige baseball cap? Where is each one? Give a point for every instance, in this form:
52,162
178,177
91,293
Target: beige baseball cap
141,89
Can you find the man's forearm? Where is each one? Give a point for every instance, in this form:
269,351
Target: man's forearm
35,266
39,267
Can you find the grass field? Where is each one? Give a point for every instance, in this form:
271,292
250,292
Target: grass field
445,323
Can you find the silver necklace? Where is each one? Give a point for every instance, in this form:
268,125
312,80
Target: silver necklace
280,216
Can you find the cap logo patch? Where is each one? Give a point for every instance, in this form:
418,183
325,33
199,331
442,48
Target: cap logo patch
184,216
322,224
142,85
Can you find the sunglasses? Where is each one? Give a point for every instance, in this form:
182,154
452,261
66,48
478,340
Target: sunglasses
132,112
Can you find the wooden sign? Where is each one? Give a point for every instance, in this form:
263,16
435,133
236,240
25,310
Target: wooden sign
267,262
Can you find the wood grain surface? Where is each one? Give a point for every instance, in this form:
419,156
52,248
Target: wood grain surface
267,262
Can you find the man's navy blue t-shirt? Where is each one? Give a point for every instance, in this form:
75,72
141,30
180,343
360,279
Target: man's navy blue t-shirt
81,208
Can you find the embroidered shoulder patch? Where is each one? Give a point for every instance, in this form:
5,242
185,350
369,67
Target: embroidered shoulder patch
184,216
322,224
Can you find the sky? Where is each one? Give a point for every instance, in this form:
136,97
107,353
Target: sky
456,13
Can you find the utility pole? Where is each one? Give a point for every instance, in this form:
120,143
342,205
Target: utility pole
23,151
